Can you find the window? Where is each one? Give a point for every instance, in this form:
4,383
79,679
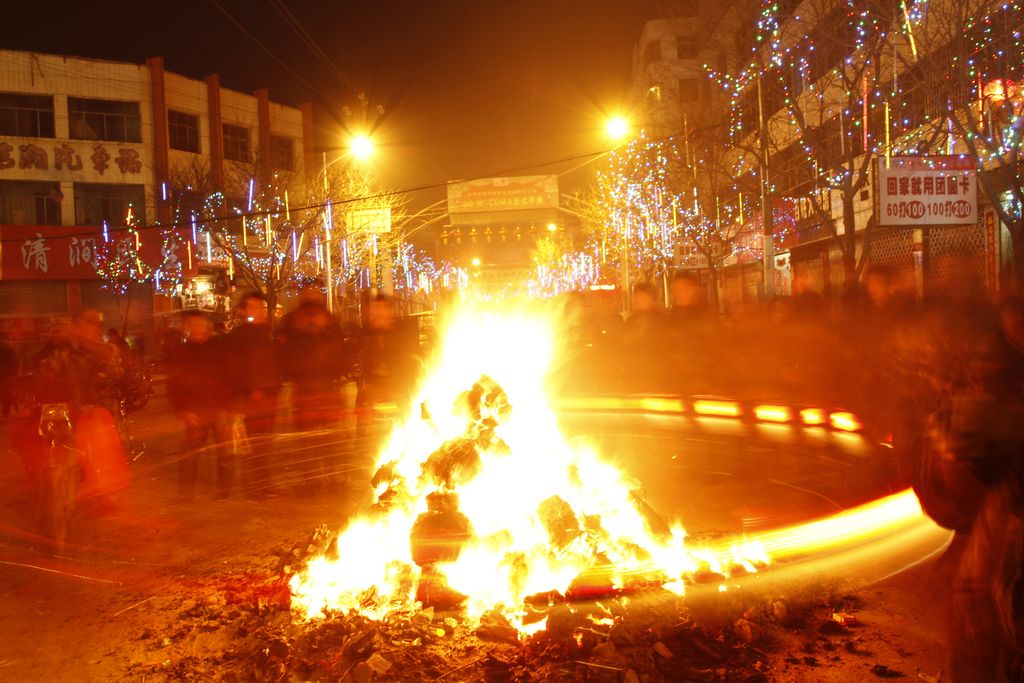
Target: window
236,143
48,206
281,153
104,120
29,203
95,203
29,116
689,90
183,131
686,47
652,52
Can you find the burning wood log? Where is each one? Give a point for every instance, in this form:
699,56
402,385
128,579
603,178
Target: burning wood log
439,533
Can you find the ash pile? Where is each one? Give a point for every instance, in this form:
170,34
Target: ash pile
242,628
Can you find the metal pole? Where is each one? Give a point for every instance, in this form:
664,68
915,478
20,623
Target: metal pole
624,270
373,266
766,209
329,218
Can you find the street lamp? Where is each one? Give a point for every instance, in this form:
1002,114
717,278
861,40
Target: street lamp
360,148
617,128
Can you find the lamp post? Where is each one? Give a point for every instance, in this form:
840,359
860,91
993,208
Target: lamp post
617,129
360,148
768,250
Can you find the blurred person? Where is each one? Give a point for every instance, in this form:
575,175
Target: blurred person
255,376
80,368
388,365
690,331
1011,320
84,372
968,472
9,367
314,358
117,341
643,343
199,393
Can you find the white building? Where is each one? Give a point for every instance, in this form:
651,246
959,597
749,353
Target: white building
81,141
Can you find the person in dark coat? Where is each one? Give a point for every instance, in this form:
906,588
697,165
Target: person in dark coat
255,373
690,339
643,343
389,368
9,367
199,393
314,359
968,473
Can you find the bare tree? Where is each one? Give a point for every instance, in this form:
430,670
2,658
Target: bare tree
814,88
279,230
962,61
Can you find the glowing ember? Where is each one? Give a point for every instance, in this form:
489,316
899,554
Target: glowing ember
484,504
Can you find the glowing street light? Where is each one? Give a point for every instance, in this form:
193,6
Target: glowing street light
617,128
476,262
361,146
552,227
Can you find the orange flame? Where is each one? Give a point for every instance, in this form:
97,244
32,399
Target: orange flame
541,513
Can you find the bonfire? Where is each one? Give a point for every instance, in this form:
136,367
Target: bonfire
482,505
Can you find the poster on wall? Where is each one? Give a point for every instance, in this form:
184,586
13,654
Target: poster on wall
783,275
923,191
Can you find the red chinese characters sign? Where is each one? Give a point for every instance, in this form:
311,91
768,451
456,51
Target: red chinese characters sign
31,156
68,252
923,191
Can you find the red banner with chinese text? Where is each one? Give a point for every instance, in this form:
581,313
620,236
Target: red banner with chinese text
70,252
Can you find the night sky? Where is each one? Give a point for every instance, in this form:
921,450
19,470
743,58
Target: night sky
468,88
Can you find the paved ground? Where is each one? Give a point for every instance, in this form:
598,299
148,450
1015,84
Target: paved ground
88,616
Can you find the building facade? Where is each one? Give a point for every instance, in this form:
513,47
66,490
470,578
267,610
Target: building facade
88,145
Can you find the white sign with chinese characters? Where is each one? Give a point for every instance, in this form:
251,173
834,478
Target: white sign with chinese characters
369,221
919,191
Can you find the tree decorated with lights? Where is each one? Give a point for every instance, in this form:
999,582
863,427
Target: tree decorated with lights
658,196
714,208
370,253
118,262
634,195
816,88
963,94
276,231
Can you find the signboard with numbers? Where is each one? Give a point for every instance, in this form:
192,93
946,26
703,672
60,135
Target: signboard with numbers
922,191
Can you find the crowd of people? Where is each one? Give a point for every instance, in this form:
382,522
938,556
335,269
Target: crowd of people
226,390
940,378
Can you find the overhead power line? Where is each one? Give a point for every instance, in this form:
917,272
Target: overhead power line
187,223
296,26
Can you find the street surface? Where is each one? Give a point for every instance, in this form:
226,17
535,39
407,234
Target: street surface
131,571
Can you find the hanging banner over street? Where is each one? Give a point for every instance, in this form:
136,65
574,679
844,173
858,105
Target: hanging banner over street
921,191
369,221
503,194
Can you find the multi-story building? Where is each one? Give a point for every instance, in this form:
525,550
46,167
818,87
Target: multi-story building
671,91
85,141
